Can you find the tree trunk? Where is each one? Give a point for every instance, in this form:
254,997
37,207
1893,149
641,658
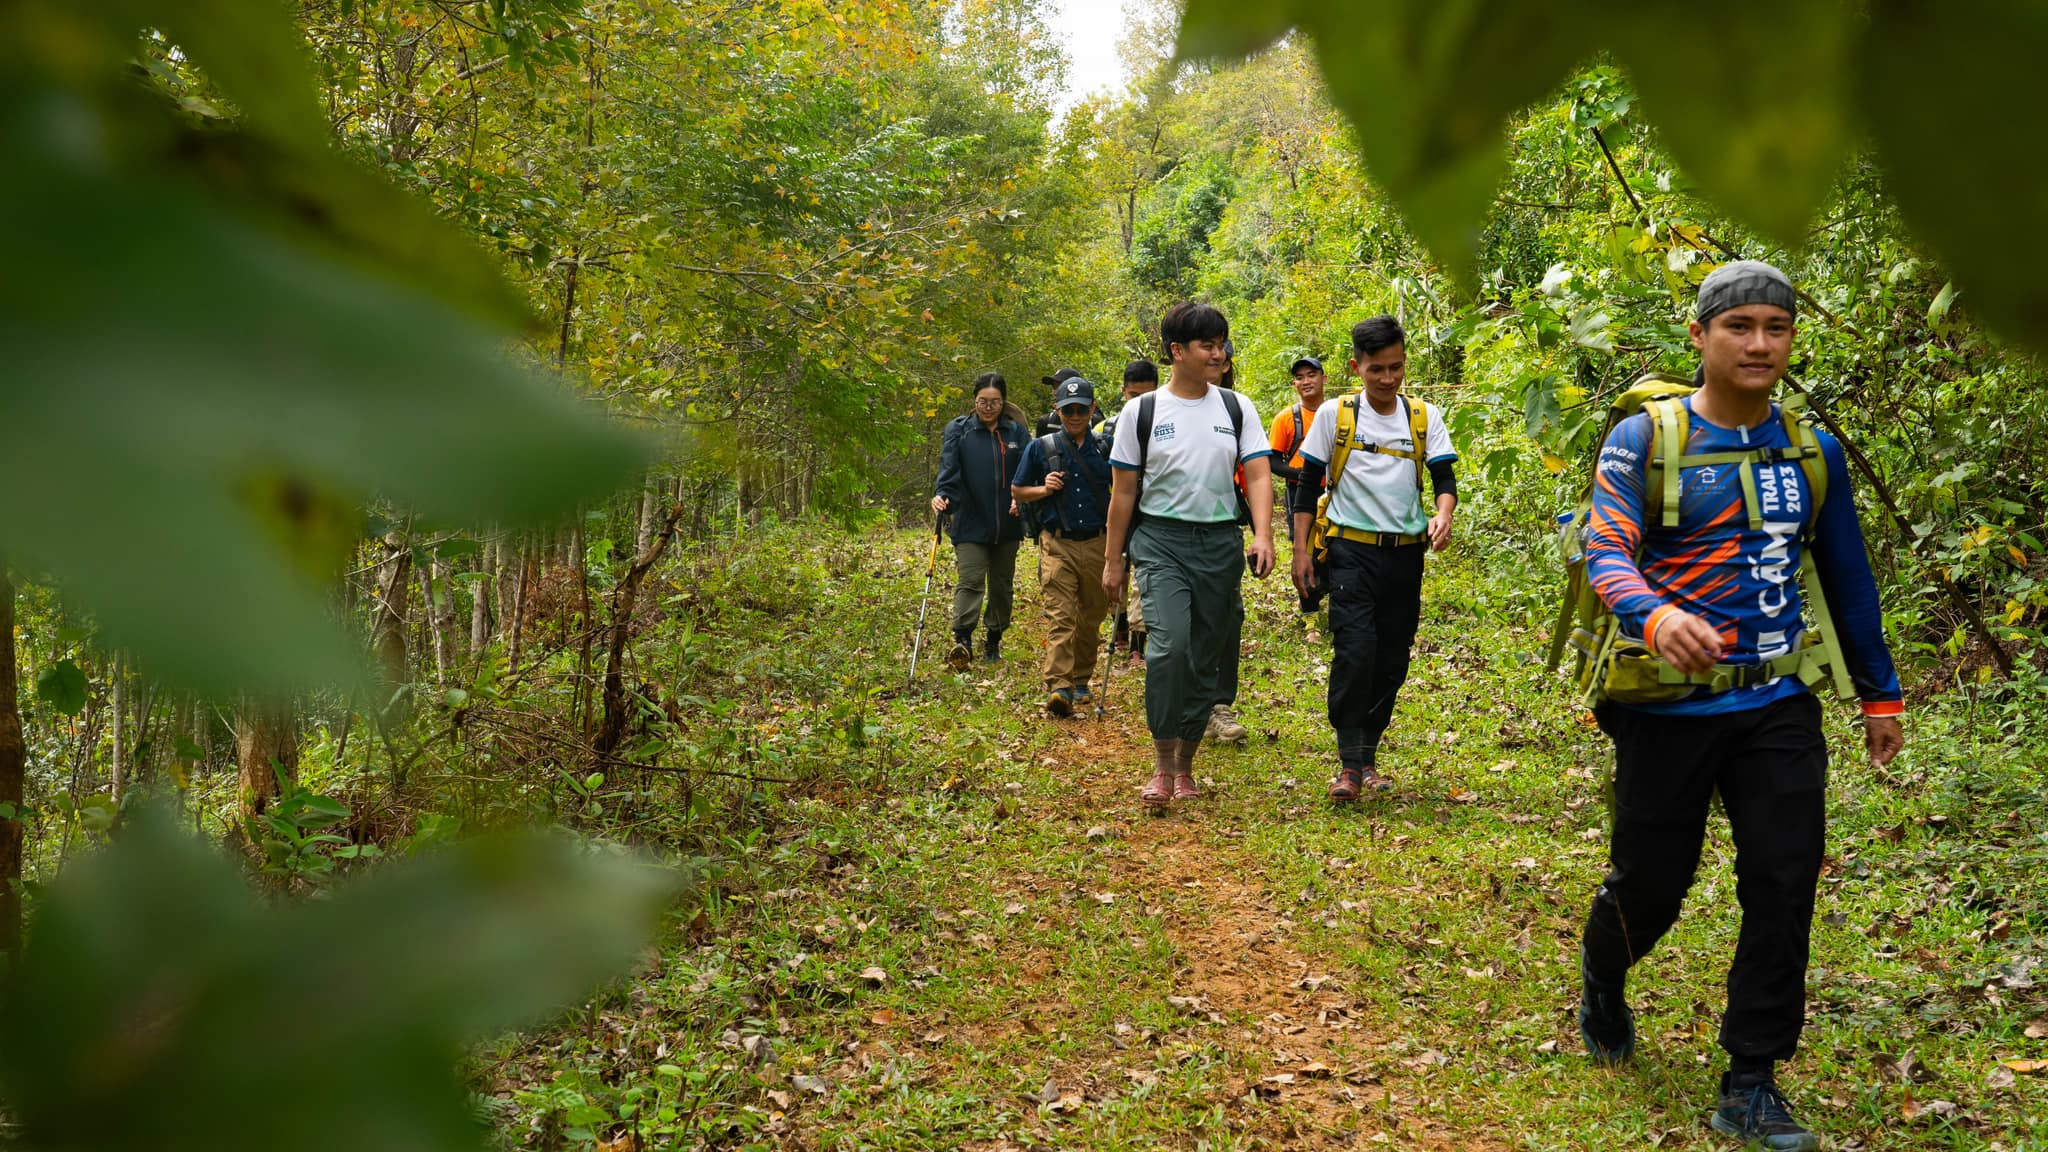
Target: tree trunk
479,600
440,615
624,596
266,743
649,501
518,626
387,622
13,774
117,771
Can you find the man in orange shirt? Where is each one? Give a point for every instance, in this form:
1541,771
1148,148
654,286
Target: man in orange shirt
1290,428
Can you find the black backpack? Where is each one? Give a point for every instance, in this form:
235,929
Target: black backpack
1236,410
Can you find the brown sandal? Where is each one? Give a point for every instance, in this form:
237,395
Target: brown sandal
1344,788
1184,785
1159,793
1376,782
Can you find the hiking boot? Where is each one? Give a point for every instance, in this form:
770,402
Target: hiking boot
1606,1024
1223,725
1081,695
961,658
992,651
1755,1113
1060,703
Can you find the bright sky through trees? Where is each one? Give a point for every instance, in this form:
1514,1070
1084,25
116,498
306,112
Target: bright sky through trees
1088,30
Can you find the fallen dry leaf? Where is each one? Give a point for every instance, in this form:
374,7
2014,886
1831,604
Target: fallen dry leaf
1105,897
1914,1109
1314,1068
2038,1029
1012,909
2026,1067
874,975
1547,1047
2000,1077
885,1017
779,1099
815,1084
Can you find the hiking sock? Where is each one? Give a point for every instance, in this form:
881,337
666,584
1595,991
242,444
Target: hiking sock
1352,752
1184,761
964,637
994,651
1166,756
1138,641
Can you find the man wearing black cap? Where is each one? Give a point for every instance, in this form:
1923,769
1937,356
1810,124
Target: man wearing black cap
1713,590
1050,422
1064,480
1290,430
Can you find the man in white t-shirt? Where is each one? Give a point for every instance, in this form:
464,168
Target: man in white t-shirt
1376,528
1177,501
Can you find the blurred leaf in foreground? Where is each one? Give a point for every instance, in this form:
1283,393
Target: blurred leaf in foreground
210,328
161,1005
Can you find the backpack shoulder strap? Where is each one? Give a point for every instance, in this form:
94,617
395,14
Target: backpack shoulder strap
1670,425
1144,428
1055,460
1347,429
1236,410
1418,432
1300,431
1806,443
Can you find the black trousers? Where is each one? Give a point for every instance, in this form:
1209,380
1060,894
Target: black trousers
1375,606
1770,765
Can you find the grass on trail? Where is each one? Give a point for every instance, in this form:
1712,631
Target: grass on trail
967,935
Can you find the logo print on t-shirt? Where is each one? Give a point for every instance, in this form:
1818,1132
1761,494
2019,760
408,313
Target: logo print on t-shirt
1162,432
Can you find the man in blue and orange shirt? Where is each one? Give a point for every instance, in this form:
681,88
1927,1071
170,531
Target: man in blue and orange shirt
1715,591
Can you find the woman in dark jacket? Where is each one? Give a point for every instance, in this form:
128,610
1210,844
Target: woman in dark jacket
981,451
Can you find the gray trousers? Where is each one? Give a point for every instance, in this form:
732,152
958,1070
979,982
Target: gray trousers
1191,577
989,569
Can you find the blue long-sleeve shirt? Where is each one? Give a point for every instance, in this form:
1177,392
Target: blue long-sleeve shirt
1742,581
1081,508
975,464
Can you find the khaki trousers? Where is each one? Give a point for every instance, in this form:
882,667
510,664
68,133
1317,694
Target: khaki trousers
1070,577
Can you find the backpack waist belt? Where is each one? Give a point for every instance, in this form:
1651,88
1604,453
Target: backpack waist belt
1802,663
1382,539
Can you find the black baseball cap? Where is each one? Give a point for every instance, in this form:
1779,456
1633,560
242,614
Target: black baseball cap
1308,360
1064,374
1075,389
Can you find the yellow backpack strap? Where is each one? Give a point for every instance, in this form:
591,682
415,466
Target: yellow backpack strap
1418,431
1347,430
1806,448
1669,427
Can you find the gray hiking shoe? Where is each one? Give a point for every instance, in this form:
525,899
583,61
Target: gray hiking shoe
1223,725
1756,1114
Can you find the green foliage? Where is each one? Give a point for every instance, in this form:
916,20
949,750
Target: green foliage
231,333
1760,115
160,1005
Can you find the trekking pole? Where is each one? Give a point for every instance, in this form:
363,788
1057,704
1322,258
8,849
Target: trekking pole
938,519
1108,667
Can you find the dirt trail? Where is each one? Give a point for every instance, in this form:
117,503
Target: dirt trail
1319,1072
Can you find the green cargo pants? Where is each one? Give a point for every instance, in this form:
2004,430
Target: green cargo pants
1190,580
990,566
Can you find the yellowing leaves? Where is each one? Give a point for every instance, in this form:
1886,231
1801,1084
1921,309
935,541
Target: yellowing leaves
1555,464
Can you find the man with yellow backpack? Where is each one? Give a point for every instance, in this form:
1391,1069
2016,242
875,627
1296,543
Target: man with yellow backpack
1365,538
1715,517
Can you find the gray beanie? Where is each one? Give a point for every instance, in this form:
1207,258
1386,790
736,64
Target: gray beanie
1741,282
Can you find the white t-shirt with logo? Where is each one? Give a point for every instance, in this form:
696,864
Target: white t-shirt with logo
1378,492
1191,465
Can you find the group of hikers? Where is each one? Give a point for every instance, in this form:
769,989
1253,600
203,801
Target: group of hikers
1717,519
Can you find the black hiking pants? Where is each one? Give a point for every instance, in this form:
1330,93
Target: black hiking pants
1770,765
1375,607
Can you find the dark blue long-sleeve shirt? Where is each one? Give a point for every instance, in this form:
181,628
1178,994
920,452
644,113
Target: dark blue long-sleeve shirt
975,464
1741,581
